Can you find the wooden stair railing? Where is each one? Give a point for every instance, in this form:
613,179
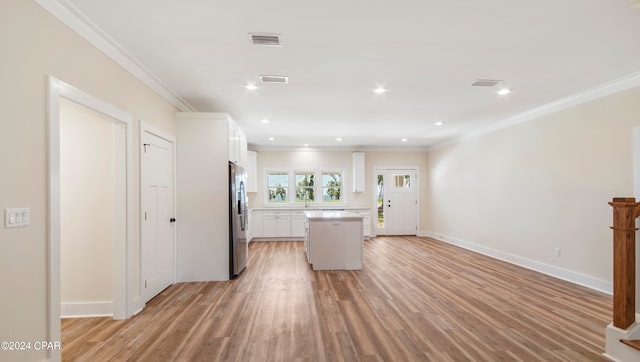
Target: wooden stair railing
625,212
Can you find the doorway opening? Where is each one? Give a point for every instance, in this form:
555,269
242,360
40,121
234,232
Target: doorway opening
124,289
89,161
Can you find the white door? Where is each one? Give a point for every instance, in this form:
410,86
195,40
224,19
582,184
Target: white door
158,222
397,206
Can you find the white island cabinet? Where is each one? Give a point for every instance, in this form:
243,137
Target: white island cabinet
333,240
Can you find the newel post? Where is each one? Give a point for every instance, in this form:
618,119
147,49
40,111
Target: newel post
625,212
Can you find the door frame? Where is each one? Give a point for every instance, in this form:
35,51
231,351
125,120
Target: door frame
124,303
374,187
147,128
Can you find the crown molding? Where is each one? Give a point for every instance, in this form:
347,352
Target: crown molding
615,86
79,23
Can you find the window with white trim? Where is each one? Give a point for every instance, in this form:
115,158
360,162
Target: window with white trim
314,186
278,186
332,186
305,186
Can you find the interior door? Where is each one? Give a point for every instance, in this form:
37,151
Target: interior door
158,223
397,202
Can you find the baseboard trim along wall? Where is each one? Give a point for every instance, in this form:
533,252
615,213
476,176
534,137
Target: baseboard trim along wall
554,271
86,309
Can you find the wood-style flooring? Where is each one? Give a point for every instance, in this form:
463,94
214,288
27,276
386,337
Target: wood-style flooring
416,299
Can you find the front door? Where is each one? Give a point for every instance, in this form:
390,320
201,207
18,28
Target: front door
157,246
397,206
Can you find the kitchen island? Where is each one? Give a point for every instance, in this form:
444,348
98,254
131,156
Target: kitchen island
334,240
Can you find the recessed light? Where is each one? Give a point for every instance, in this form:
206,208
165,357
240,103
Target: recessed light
306,145
504,91
439,123
251,86
339,139
380,90
265,121
271,138
404,140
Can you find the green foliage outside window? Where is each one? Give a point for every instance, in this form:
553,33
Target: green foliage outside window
305,184
277,194
332,187
278,183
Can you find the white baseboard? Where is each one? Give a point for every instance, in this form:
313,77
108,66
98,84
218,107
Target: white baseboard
560,273
86,309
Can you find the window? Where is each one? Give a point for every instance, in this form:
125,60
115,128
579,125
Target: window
331,186
313,186
305,186
402,181
278,186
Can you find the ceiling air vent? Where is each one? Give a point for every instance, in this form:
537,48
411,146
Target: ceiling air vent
486,82
274,79
272,40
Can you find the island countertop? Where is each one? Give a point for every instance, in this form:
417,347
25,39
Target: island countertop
326,215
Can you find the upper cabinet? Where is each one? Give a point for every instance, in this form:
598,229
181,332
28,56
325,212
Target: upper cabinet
235,138
358,171
237,144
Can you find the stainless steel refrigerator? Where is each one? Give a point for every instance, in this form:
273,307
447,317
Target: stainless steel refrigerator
238,220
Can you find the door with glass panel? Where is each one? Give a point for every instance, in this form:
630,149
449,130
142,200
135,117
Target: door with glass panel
397,201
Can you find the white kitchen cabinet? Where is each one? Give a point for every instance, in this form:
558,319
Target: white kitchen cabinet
288,224
256,225
276,224
252,171
366,221
297,223
202,187
237,144
357,159
333,240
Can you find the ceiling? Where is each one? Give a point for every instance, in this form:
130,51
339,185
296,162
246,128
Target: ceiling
426,53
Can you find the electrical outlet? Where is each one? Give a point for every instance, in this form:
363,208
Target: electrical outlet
557,251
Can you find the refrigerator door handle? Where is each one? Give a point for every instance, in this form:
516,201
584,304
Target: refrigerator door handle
241,205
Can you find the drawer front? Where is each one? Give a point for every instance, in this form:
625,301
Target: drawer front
276,213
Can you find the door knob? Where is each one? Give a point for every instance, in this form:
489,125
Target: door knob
173,219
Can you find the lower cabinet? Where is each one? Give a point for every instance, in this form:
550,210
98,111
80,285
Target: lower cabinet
334,244
366,221
276,224
289,223
297,223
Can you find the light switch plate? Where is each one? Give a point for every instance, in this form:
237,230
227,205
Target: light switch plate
17,217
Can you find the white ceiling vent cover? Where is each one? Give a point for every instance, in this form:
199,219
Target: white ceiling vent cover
272,40
486,82
274,79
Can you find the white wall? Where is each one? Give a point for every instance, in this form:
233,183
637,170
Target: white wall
525,190
34,45
86,210
342,159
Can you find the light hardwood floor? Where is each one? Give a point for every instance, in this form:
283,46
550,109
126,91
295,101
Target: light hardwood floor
415,299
